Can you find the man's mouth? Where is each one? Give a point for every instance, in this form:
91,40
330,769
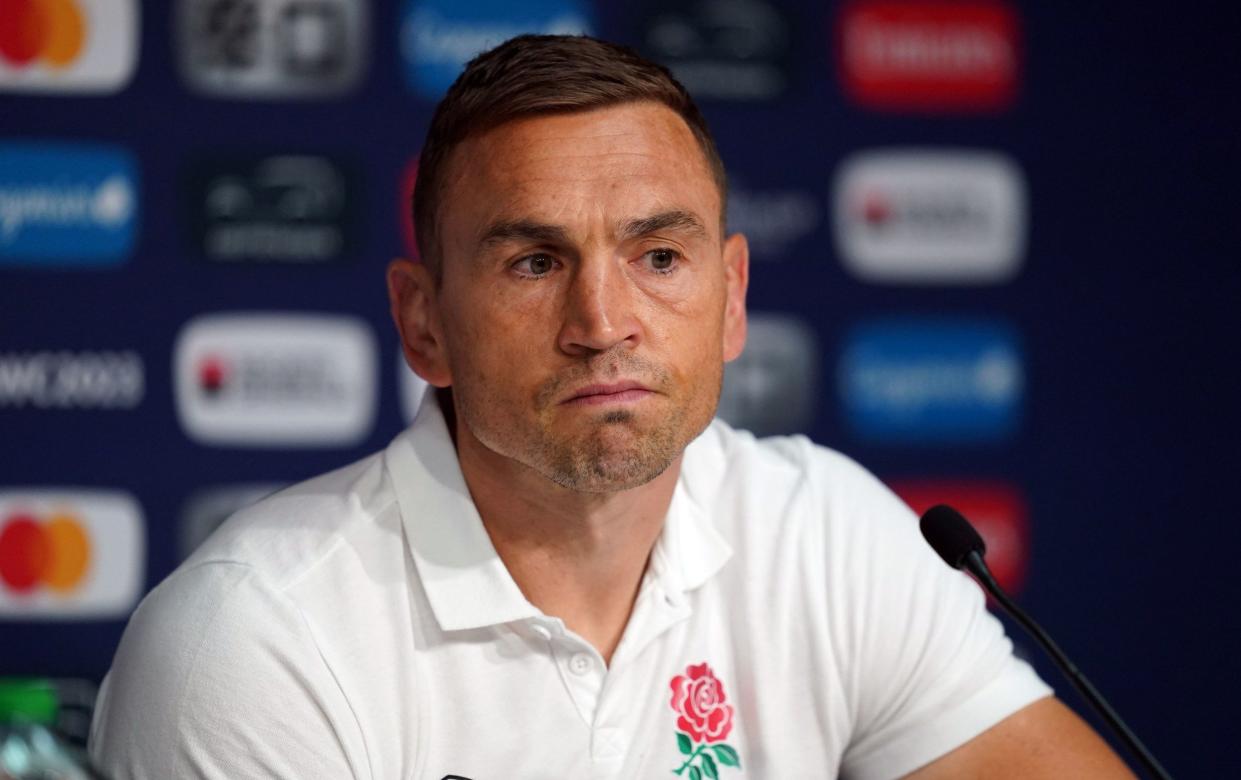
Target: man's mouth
622,392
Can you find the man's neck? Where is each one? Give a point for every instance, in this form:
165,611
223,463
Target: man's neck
576,556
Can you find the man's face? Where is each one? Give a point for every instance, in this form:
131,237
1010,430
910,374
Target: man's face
588,299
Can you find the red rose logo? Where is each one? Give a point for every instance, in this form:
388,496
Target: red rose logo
699,701
703,716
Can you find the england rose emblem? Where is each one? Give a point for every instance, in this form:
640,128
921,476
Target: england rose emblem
704,718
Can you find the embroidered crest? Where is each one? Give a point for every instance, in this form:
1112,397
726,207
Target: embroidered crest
704,719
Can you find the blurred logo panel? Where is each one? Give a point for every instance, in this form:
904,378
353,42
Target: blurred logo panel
207,509
272,48
920,216
773,220
275,380
84,46
996,509
66,205
932,380
277,209
71,380
69,553
438,37
935,56
771,389
410,387
722,49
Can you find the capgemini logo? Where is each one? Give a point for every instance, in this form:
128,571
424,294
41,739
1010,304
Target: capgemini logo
66,204
942,380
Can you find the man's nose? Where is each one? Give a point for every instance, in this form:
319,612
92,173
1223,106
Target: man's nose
599,308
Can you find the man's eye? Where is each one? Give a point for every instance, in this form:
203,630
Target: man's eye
663,260
535,265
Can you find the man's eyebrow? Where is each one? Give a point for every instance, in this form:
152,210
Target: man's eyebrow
677,219
544,233
523,230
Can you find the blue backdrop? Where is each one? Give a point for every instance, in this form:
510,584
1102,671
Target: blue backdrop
994,259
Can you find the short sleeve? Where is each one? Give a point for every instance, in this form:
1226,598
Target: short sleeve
931,667
217,676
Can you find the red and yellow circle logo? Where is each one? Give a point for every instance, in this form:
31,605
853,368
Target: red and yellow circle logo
52,552
51,32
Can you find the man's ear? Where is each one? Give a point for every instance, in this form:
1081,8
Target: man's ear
412,299
737,280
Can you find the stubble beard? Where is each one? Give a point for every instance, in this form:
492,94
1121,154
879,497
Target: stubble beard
618,451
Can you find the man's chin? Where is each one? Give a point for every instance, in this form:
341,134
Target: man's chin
607,474
611,459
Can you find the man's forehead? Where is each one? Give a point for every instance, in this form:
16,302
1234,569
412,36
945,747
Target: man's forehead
641,151
619,125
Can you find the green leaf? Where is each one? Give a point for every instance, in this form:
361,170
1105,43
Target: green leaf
684,743
695,773
727,756
708,767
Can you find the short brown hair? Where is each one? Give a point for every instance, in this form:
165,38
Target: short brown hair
543,74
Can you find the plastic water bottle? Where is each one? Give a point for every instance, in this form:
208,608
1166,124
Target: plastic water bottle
30,747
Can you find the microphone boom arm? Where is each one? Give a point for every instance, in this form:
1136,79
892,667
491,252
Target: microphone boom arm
978,567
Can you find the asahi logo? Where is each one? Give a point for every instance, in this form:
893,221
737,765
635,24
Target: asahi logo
276,379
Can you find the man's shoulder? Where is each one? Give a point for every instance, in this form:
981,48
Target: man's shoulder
287,534
726,460
769,496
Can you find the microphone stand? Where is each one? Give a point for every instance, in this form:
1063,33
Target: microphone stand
978,567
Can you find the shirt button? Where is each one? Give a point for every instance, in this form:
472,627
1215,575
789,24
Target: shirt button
580,664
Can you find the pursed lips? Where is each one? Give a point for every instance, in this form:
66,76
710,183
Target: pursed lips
626,391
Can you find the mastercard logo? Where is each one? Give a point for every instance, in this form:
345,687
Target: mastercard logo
70,553
49,32
52,552
86,46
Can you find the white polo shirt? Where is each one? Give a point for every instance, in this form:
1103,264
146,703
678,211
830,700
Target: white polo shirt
791,623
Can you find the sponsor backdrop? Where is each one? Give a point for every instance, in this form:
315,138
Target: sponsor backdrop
991,262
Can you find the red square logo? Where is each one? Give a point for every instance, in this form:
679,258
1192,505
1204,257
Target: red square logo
996,509
934,57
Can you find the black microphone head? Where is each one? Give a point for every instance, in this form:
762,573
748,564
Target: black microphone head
950,535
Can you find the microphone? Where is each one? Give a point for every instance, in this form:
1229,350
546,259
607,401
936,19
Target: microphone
956,541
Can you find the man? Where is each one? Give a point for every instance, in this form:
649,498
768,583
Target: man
564,568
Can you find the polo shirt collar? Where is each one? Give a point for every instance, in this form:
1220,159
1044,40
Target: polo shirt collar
690,549
464,579
466,582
